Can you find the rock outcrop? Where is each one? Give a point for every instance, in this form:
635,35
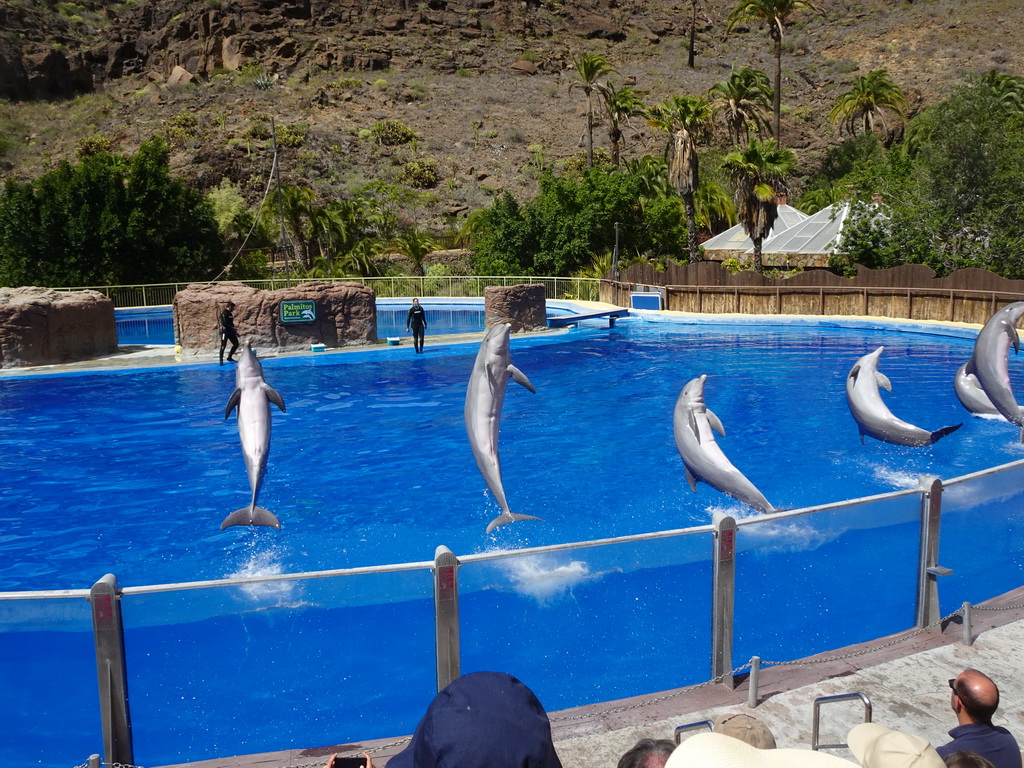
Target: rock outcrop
43,326
522,305
345,315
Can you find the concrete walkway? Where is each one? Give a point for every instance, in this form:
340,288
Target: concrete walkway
903,675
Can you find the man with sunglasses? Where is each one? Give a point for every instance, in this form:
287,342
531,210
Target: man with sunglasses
974,699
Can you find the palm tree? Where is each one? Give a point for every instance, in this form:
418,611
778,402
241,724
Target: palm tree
686,120
590,69
296,203
759,173
1008,89
415,245
743,101
775,12
620,104
869,98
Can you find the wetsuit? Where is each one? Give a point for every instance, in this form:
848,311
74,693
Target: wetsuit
228,333
416,321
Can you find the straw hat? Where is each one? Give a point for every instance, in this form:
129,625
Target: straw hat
746,728
716,750
876,746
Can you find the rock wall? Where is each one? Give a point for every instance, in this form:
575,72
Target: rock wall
43,326
346,315
522,305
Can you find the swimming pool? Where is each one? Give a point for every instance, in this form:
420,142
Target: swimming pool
370,465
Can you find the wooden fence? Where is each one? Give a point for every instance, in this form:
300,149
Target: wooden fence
909,292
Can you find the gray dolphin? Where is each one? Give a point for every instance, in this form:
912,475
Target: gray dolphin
969,392
692,423
252,397
991,355
484,398
871,413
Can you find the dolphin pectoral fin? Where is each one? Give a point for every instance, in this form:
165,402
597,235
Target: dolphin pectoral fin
690,479
862,441
520,378
691,422
1011,331
251,516
233,401
854,372
504,519
715,422
273,396
940,433
883,381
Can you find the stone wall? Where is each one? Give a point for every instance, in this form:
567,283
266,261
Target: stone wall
43,326
346,315
523,306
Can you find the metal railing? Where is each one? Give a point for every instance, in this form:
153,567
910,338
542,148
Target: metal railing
161,294
728,534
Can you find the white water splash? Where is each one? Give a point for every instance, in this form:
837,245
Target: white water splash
267,593
544,577
896,478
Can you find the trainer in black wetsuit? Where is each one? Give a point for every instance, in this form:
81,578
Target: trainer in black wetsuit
227,332
416,320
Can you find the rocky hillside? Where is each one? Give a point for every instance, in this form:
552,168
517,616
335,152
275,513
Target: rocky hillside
483,84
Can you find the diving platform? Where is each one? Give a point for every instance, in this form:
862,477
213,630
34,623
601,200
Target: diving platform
561,321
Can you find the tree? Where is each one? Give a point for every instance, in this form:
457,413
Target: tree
296,205
686,120
775,13
106,220
590,69
759,173
743,101
869,98
620,104
415,246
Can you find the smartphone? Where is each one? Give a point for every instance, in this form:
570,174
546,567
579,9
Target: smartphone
348,762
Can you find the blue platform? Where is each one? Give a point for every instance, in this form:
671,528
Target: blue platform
560,321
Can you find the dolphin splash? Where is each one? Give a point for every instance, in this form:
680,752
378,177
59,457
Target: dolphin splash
252,397
871,414
703,460
991,356
484,397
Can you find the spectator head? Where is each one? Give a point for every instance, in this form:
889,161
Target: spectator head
974,695
481,720
716,750
876,746
746,728
966,759
647,753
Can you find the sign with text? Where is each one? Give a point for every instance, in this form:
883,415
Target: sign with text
298,311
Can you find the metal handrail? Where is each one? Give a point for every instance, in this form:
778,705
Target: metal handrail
832,700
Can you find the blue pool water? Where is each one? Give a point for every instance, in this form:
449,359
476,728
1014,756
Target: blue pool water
132,472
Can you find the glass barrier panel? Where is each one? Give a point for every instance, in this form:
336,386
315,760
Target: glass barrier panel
50,708
822,581
592,624
982,537
278,665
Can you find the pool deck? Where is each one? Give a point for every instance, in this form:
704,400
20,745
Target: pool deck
904,676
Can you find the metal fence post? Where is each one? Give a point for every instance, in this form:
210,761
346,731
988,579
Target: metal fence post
723,599
968,637
929,570
754,681
446,615
108,636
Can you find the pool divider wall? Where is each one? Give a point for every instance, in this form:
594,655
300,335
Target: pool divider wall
111,671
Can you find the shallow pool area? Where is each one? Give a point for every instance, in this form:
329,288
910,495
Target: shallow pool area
131,472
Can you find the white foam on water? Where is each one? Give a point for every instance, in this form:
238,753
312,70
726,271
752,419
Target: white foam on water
545,577
896,478
794,534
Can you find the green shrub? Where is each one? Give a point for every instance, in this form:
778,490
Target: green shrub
390,133
93,145
292,134
420,174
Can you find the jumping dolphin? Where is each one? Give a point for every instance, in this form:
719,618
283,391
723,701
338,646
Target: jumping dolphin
252,397
871,414
692,424
969,391
484,398
991,354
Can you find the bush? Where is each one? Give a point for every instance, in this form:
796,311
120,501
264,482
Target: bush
390,133
292,134
420,174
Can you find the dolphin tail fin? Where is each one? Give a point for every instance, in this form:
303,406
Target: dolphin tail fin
940,433
504,519
251,516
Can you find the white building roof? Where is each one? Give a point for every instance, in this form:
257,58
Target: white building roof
735,239
817,234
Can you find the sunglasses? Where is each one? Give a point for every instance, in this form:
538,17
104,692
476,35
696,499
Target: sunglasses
952,684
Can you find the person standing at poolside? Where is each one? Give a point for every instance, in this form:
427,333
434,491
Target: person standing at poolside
417,321
228,332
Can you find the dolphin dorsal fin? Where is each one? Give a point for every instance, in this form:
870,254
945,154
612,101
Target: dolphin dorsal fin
520,378
233,401
715,422
273,396
690,478
883,381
